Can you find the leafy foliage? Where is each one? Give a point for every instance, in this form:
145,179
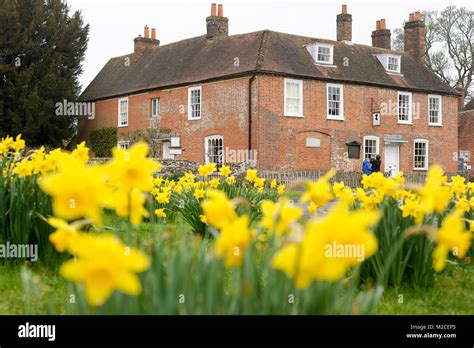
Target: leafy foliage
42,49
103,140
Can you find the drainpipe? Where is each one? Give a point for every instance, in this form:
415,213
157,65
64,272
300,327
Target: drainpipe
250,116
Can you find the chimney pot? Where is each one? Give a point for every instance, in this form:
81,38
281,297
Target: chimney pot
153,33
146,32
417,16
344,9
411,17
217,24
381,36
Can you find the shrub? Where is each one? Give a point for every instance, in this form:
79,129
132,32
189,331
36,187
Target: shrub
103,140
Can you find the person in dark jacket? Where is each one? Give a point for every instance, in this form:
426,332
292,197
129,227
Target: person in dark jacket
366,168
376,163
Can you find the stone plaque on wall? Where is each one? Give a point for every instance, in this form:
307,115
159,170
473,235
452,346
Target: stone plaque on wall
313,142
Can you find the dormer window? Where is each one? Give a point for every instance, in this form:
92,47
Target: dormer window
393,64
390,62
321,53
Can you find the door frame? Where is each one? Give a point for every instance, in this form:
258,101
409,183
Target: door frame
394,145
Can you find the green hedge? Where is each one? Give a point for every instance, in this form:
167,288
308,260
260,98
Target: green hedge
103,140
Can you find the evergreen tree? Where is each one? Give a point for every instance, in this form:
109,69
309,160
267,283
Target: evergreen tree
41,52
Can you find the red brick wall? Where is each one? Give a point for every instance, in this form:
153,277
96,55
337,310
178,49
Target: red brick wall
224,111
279,142
466,137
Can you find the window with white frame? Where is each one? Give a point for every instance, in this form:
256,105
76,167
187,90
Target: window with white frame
434,110
321,53
155,107
123,144
420,154
194,103
390,62
393,64
214,147
293,98
335,102
123,112
371,146
404,107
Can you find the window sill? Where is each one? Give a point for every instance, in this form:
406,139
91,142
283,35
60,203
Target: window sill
334,118
420,169
194,119
395,73
122,125
435,125
405,122
294,116
327,65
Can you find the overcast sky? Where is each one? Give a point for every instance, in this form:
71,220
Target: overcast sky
115,23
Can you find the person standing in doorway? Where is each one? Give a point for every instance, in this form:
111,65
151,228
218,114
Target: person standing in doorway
366,167
376,163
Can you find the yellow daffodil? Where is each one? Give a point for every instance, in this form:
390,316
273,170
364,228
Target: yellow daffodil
452,236
207,169
199,193
251,175
273,184
160,213
81,152
64,235
130,204
319,192
278,216
18,144
281,189
233,240
217,209
214,183
131,169
103,264
77,191
225,171
330,246
230,180
162,198
259,182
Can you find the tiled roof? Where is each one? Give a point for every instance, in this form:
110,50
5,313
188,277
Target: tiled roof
199,59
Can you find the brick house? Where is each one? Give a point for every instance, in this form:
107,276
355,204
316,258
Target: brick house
284,100
466,138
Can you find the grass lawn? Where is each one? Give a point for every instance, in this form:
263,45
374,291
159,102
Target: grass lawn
451,293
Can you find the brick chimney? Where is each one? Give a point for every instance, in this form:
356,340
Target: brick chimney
461,96
381,36
344,25
146,42
415,31
217,24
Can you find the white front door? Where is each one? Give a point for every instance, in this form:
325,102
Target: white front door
392,159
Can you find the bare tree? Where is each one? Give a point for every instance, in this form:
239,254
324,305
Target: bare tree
449,45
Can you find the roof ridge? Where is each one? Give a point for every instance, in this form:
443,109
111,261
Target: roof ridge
261,50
